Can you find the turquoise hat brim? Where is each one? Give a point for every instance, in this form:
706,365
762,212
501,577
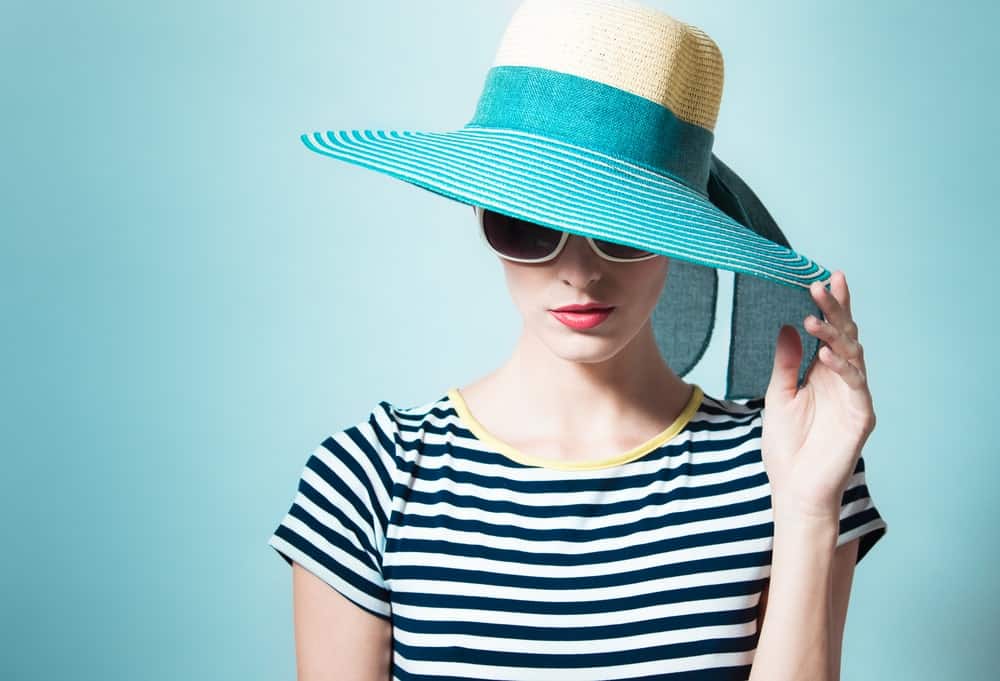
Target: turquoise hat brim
573,189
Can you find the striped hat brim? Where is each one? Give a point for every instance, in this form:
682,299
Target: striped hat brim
570,188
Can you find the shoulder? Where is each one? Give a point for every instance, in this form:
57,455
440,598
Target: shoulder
398,426
724,413
743,405
368,446
724,430
402,419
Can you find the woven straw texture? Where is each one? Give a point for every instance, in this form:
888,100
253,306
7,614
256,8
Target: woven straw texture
623,44
579,92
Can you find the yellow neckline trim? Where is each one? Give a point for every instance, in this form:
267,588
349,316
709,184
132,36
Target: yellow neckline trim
507,450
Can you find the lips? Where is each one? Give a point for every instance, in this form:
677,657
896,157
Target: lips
582,319
590,307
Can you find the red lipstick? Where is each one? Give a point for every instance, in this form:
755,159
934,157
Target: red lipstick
584,316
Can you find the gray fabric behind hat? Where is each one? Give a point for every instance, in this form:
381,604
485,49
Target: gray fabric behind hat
684,318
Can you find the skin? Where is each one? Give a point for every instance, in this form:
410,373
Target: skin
592,394
811,440
336,639
615,369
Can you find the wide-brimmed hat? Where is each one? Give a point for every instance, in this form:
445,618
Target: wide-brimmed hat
597,118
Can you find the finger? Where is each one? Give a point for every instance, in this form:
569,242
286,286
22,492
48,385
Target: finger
845,346
834,312
854,377
838,286
785,368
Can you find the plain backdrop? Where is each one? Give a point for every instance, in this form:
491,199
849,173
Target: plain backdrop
192,300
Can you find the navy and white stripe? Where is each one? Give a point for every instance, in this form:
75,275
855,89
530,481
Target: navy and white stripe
490,568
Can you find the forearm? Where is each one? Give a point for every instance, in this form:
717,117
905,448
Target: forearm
794,642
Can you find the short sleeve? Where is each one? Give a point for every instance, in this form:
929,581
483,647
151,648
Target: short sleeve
336,525
858,515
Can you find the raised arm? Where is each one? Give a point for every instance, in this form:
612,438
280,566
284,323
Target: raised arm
795,635
811,443
334,638
844,560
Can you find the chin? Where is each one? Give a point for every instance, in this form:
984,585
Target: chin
575,346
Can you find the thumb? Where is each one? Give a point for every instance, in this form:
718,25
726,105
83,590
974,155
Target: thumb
785,372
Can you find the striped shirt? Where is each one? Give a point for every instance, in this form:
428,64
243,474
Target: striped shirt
491,564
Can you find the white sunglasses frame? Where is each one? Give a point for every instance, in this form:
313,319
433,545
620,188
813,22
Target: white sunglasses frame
558,249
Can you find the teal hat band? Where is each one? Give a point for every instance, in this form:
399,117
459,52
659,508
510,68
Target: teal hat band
597,118
581,111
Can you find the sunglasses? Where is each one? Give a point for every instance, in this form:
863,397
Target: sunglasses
522,241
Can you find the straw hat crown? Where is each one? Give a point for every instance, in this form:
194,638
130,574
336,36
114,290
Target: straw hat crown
622,44
597,118
610,76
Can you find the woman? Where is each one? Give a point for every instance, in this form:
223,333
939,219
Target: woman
582,512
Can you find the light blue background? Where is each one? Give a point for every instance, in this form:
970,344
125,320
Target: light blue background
192,300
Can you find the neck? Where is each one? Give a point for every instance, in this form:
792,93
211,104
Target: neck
577,396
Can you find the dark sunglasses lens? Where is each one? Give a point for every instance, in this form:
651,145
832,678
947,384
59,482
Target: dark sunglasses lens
619,251
518,238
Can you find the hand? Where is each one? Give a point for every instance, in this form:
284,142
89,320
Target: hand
812,437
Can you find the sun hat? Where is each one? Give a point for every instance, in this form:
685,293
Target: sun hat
597,118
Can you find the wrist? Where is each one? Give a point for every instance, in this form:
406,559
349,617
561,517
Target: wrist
792,518
794,509
806,535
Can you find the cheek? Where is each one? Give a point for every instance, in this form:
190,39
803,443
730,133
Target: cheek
524,284
647,281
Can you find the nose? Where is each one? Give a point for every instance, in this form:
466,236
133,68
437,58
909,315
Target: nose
578,264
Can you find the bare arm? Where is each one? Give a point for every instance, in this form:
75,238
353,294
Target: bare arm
844,560
334,637
795,635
